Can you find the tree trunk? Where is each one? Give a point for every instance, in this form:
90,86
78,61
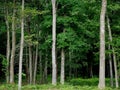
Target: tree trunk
30,64
54,72
118,66
101,84
91,70
35,65
13,47
40,57
114,56
111,71
115,68
62,66
70,69
27,66
45,71
21,48
8,46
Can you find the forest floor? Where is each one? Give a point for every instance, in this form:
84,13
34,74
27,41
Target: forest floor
74,84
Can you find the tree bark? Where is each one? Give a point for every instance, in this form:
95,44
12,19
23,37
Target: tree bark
13,47
62,78
45,71
111,71
54,71
8,46
101,84
70,59
40,57
91,70
114,56
35,66
30,64
27,66
21,48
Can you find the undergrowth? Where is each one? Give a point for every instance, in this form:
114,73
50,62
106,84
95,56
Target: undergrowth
74,84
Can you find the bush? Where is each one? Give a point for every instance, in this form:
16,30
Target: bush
82,82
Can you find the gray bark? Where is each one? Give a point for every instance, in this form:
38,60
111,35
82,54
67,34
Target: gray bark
101,84
62,79
54,71
27,66
35,66
114,56
40,57
30,64
21,48
13,47
111,71
8,46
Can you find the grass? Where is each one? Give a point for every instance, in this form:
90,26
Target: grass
74,84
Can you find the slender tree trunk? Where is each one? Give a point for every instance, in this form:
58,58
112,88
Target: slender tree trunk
46,65
101,84
113,51
54,71
30,64
118,66
27,66
13,47
115,68
21,48
35,66
62,78
111,71
40,57
33,63
8,46
91,71
70,57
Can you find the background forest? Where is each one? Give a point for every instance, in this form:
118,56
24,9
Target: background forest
77,44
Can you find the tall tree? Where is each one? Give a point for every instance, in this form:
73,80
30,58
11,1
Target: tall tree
113,51
13,46
54,66
110,64
35,65
30,52
62,66
21,48
30,64
102,46
8,43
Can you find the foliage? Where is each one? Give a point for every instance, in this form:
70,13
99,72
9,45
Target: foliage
4,62
74,84
77,32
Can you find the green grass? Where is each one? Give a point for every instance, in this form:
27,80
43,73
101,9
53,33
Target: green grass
51,87
74,84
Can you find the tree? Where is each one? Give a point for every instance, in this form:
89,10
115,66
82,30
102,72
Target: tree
54,66
110,64
101,84
21,48
13,46
8,44
30,64
35,65
113,51
62,66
